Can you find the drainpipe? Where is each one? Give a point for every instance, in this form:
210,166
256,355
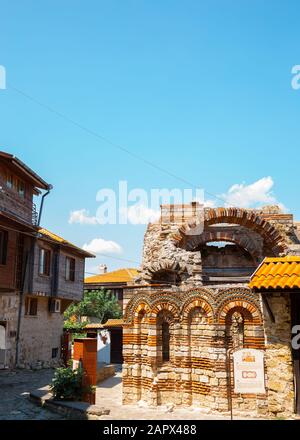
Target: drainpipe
32,256
50,187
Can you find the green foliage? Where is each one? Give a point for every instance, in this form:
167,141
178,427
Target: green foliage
101,304
74,326
78,336
67,384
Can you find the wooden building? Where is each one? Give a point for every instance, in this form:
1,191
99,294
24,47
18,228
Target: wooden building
40,273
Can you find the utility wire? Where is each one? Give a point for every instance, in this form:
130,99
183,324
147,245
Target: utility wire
108,141
113,144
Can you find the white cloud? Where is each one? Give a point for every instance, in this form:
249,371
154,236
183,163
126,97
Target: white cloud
82,216
254,195
209,203
101,246
251,196
140,215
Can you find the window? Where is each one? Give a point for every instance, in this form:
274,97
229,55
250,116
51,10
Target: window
54,353
3,246
118,294
54,305
70,269
31,306
44,262
10,181
18,185
21,188
165,342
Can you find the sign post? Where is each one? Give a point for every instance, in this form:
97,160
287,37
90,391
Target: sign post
248,373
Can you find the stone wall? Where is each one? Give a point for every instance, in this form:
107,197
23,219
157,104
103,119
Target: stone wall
174,242
9,305
202,330
39,335
202,322
279,361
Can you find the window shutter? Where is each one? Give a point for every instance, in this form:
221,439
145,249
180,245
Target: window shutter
51,305
73,269
3,246
26,306
33,306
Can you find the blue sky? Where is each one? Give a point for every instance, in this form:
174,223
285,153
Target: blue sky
200,88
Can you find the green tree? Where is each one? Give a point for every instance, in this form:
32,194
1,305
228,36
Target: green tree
96,303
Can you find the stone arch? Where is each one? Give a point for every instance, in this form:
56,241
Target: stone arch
243,217
214,236
250,311
134,306
141,308
169,307
200,292
166,266
137,334
198,328
197,302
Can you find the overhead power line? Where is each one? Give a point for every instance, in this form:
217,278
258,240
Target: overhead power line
108,141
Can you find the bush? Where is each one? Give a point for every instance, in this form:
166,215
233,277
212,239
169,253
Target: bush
68,384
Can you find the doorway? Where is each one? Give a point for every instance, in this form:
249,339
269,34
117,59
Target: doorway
116,356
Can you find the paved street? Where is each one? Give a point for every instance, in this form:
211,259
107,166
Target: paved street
109,395
15,405
14,390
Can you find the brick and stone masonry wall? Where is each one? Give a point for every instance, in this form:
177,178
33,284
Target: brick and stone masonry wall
279,361
206,321
204,324
9,305
39,335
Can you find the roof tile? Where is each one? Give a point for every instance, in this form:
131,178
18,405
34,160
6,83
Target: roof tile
277,273
117,276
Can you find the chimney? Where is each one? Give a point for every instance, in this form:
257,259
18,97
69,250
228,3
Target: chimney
102,268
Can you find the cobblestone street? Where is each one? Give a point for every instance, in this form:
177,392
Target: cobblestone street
15,405
14,390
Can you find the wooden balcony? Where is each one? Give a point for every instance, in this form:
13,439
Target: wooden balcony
13,204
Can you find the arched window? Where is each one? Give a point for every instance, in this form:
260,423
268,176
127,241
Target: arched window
165,341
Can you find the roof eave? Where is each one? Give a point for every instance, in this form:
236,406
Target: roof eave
36,180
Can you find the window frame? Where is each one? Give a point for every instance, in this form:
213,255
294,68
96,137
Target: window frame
29,311
55,305
16,184
10,180
20,183
45,263
70,268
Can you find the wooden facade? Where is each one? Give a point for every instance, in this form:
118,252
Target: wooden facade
32,300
